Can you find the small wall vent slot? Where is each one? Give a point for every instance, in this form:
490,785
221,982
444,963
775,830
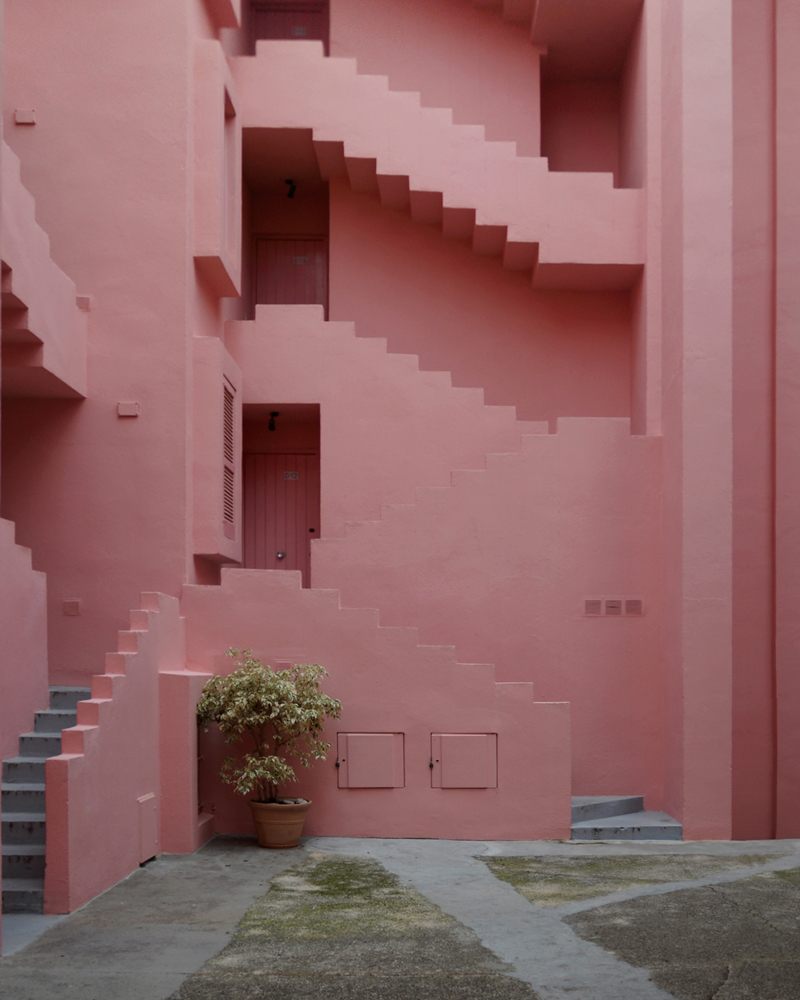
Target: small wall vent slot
614,607
634,606
593,606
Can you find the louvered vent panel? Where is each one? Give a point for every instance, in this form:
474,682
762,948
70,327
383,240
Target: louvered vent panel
228,425
227,496
634,606
592,606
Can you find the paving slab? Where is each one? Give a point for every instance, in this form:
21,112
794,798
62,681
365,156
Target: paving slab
626,921
143,937
554,882
339,926
733,941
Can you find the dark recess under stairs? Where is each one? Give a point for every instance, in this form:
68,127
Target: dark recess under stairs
620,817
23,802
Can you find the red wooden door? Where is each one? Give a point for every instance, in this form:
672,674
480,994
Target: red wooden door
292,19
291,271
281,511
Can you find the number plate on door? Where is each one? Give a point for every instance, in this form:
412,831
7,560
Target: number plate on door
291,475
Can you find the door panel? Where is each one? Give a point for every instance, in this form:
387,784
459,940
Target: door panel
291,271
281,507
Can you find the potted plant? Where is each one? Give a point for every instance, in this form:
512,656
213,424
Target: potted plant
281,714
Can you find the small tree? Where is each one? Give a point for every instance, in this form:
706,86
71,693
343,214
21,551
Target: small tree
283,713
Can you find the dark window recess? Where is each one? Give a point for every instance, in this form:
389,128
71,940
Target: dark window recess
306,19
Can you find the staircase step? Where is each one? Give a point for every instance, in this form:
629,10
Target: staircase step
641,825
23,828
23,861
585,807
23,796
53,720
40,744
24,769
68,697
23,895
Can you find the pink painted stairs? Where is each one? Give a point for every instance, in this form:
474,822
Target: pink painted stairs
575,230
387,683
373,403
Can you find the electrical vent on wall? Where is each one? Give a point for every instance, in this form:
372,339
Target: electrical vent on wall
614,607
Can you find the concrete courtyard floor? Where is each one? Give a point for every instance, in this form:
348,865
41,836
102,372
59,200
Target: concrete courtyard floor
444,920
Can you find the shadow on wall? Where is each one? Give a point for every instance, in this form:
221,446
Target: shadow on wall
550,354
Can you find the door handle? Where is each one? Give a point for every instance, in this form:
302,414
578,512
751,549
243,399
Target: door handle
281,555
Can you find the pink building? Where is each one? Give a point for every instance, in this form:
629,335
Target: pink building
450,344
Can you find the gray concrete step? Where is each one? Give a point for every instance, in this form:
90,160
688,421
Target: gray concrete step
23,895
641,825
23,828
585,807
23,861
25,769
22,796
40,744
68,697
53,720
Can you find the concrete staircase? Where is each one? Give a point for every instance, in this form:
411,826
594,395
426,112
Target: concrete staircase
572,230
374,402
620,817
23,802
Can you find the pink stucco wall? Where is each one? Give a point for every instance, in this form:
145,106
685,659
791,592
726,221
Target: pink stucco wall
23,651
476,545
787,421
697,412
550,354
455,55
753,403
98,829
614,329
116,216
387,683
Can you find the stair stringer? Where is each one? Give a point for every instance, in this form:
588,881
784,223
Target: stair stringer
575,229
23,627
387,683
44,330
499,564
104,788
387,427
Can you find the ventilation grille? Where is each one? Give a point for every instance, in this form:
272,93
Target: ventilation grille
227,496
228,425
229,456
614,607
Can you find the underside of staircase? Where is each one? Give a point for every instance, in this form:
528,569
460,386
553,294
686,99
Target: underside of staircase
572,230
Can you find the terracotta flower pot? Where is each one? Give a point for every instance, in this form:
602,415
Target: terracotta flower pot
279,824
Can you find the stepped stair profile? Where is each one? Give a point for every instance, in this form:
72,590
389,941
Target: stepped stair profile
573,229
620,817
23,795
375,401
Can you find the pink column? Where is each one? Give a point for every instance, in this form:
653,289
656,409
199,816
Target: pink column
697,410
787,409
753,419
